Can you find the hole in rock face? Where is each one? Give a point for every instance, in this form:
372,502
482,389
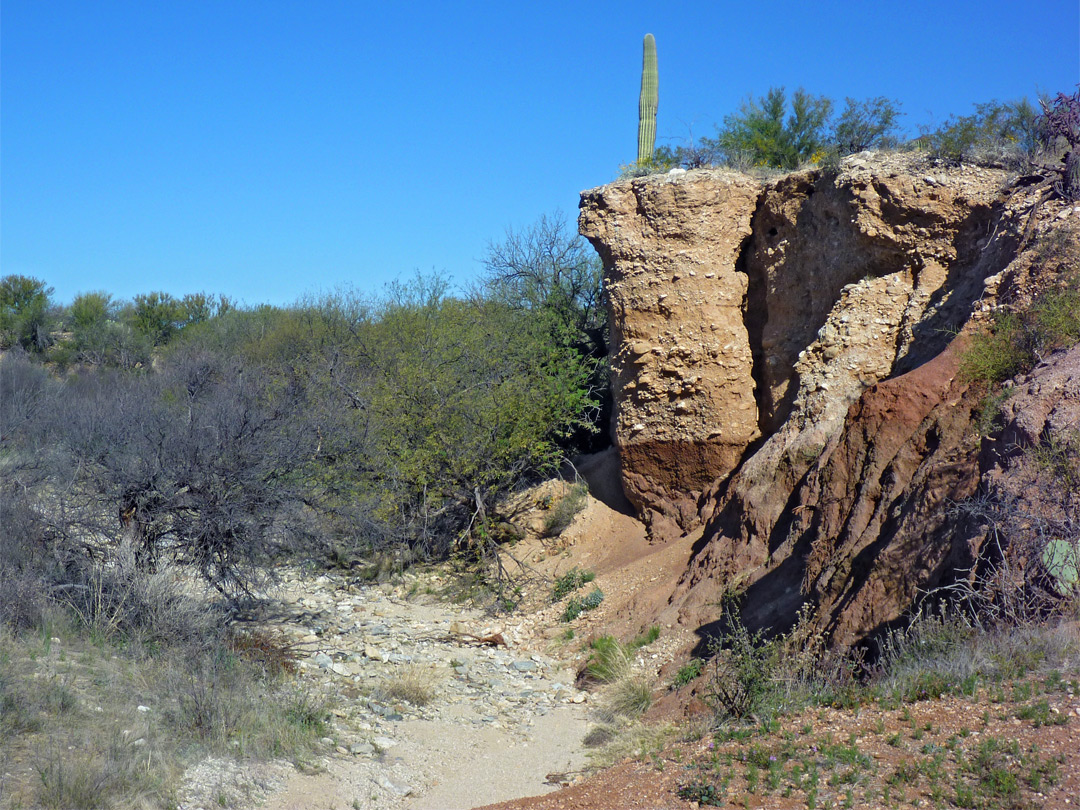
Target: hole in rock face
773,232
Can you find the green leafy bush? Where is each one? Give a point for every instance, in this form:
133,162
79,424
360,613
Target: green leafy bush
996,133
570,582
759,135
575,607
869,124
25,318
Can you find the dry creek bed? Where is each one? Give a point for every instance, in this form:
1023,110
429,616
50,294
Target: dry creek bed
503,722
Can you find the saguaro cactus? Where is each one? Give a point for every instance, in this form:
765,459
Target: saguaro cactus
646,132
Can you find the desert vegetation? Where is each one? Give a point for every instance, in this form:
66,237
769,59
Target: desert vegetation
782,131
158,456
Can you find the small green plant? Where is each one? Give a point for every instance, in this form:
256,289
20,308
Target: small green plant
575,607
704,793
688,673
570,582
562,513
645,639
1040,714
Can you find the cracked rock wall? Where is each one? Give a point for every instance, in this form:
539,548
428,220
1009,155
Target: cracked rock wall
681,356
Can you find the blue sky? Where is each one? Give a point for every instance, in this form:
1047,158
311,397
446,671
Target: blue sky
267,149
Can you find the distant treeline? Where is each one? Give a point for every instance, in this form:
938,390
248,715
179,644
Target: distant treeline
216,434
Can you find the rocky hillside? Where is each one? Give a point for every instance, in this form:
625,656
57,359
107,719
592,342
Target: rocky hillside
787,365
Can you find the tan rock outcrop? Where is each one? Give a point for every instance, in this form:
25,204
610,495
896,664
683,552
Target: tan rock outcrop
833,487
681,360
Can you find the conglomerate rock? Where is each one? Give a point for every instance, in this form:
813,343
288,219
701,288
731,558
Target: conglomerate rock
786,359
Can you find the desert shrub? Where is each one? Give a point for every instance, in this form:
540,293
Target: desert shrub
575,606
1058,130
742,672
228,704
118,599
773,131
201,463
570,582
869,124
999,351
694,154
564,510
944,649
759,133
1014,341
157,316
25,316
99,336
450,404
25,565
412,683
753,675
998,133
549,273
1058,454
1017,581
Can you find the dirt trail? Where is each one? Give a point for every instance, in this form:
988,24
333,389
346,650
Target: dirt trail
503,722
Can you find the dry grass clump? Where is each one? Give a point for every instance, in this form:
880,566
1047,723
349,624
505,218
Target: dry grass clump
119,678
564,510
272,651
99,772
626,697
635,739
412,683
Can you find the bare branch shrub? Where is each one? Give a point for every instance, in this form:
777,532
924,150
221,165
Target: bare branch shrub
1010,585
1059,131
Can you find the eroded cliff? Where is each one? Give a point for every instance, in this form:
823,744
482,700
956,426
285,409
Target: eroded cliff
786,361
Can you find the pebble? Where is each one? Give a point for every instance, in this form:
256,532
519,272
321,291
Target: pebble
397,788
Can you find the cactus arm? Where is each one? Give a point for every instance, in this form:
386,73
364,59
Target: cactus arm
647,103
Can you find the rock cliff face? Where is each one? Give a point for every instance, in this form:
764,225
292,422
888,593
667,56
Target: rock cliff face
682,363
786,367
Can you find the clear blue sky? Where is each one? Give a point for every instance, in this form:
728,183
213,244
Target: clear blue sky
269,149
